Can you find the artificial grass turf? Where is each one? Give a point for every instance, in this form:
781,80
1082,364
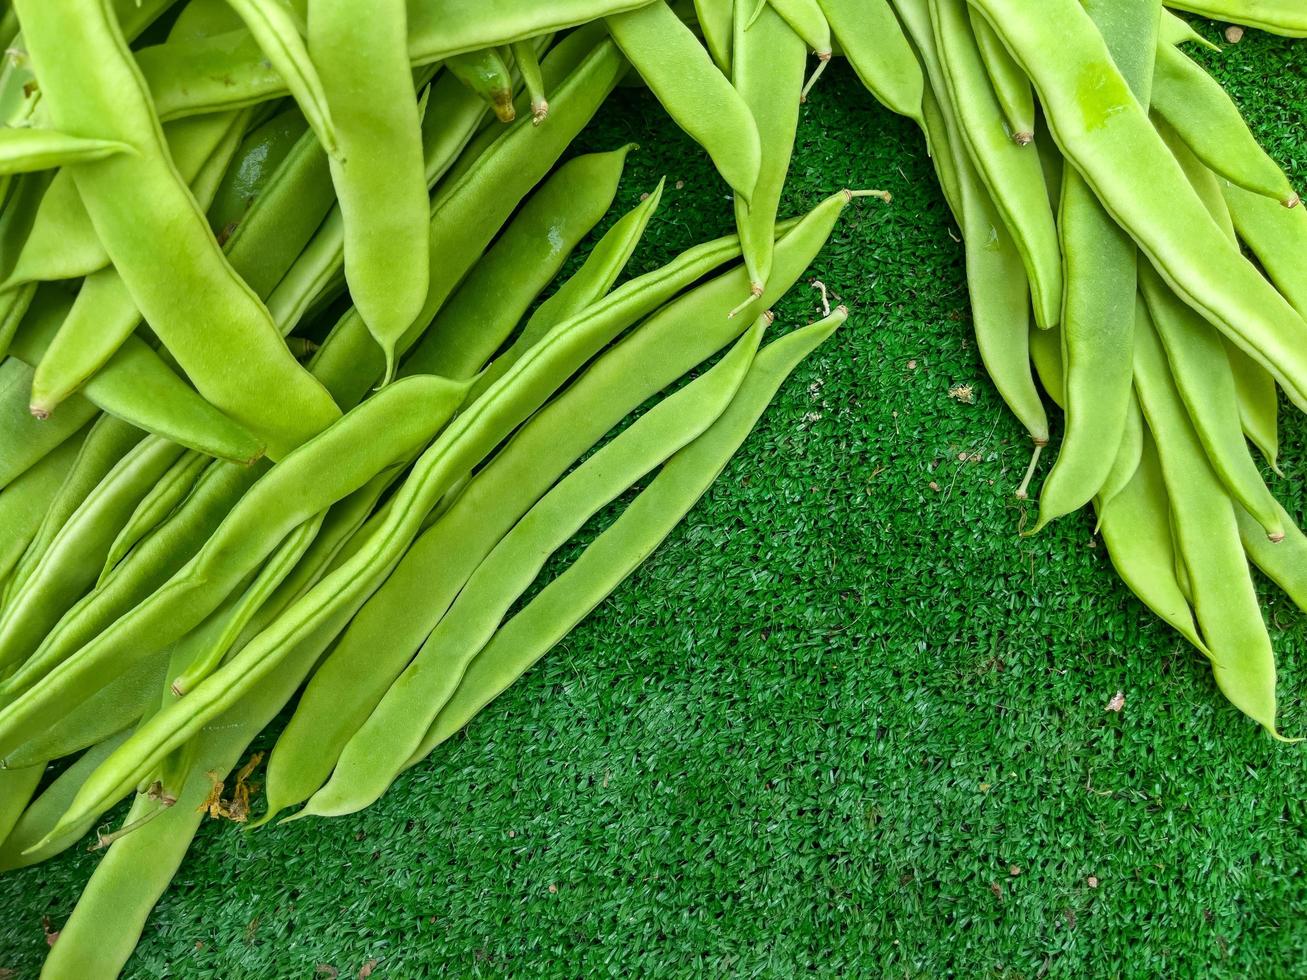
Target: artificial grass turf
845,722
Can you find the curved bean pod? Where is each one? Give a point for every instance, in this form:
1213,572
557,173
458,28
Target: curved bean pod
807,20
376,753
620,549
871,38
28,440
767,70
523,260
1224,600
1276,236
1126,461
335,598
1136,527
204,313
17,787
379,178
255,165
528,65
695,94
1107,135
1211,126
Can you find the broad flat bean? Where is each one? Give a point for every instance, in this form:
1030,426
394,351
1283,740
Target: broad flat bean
26,439
872,39
24,502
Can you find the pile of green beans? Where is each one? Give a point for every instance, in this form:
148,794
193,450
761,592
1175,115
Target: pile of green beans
284,422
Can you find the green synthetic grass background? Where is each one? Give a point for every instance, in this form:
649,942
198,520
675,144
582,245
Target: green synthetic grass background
843,722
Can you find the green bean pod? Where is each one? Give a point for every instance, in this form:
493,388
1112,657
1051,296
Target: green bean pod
1210,124
17,787
1011,86
204,313
1014,178
695,94
467,440
1276,236
379,177
377,751
258,159
767,70
620,549
1107,135
1136,527
523,260
808,21
527,63
1224,599
871,38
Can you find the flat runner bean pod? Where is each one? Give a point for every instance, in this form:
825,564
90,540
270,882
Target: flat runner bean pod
1276,236
24,502
379,178
160,501
1098,306
1136,527
1224,600
623,546
107,441
767,70
279,32
68,567
485,73
28,440
466,214
695,94
1205,383
205,314
807,20
258,159
137,386
467,440
1211,126
377,751
17,787
1107,135
1014,178
25,150
397,618
1011,86
528,254
528,66
873,41
1285,17
324,470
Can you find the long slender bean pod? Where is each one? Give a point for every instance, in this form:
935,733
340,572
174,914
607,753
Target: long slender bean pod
1011,86
872,39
